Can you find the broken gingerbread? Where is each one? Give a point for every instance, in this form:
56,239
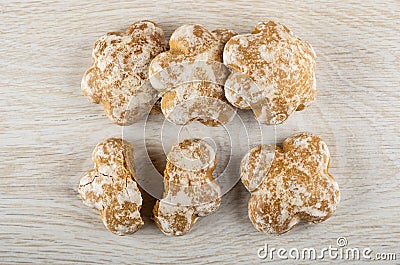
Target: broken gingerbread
111,188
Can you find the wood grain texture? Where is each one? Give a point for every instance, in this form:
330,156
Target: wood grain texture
48,130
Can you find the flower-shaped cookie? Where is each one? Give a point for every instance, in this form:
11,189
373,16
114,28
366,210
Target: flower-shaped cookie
117,79
190,190
273,72
191,76
111,187
289,184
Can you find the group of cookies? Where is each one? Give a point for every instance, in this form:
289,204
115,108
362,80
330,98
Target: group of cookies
205,76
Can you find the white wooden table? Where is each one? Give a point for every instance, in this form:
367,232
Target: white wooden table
48,130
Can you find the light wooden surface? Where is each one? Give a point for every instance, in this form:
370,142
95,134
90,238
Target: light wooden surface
48,130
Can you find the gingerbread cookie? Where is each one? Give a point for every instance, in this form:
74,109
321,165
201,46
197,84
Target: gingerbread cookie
191,76
118,77
111,188
289,184
190,190
273,72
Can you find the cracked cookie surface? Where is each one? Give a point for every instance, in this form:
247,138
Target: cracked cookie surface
111,187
